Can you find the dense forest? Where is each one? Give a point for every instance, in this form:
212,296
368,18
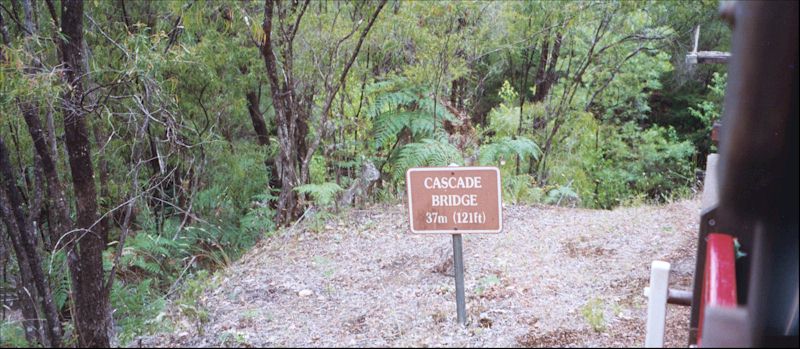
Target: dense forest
146,143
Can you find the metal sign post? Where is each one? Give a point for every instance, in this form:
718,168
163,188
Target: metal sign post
458,266
455,200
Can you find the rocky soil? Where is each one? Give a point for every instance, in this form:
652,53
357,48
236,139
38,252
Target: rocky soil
555,277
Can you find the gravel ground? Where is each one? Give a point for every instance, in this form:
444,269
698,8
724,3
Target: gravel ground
555,277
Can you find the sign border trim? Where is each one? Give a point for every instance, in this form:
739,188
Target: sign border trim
454,168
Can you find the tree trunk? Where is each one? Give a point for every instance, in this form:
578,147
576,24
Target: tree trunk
262,134
286,159
528,54
93,316
125,17
302,115
27,240
541,69
292,115
54,188
253,102
26,291
549,78
102,167
29,24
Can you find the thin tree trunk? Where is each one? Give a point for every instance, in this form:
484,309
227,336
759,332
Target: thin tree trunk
125,17
93,316
15,15
4,36
549,78
253,102
27,239
29,23
332,91
286,158
102,167
52,10
522,93
262,134
26,291
541,69
51,330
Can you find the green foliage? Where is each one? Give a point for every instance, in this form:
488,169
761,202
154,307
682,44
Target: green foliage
400,106
608,166
137,308
317,169
428,152
505,149
507,93
236,174
12,335
504,121
520,189
189,301
594,314
323,194
259,219
621,124
152,255
562,195
486,282
60,281
317,220
233,339
710,109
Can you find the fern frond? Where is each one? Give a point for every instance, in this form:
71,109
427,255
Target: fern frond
428,152
323,194
506,148
388,125
397,105
504,121
430,107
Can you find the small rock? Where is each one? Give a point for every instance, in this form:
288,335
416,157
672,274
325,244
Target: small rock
305,293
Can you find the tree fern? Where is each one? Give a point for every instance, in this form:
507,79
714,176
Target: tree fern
259,217
507,148
389,125
323,194
392,94
396,105
428,152
148,253
563,195
504,120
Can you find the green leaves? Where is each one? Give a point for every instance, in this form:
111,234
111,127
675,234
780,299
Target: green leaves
148,254
398,105
428,152
505,149
709,110
410,126
323,194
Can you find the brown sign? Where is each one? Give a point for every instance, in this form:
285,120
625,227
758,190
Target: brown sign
454,200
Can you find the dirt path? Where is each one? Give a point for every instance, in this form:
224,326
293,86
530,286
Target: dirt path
554,277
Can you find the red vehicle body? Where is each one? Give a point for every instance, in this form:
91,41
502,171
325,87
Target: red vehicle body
747,295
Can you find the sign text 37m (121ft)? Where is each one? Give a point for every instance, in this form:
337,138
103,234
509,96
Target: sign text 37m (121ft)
454,200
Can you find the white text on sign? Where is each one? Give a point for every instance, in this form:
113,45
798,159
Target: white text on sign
449,200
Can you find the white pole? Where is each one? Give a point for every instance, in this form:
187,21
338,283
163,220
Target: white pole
657,304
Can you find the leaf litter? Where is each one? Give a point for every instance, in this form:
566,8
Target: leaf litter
555,276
